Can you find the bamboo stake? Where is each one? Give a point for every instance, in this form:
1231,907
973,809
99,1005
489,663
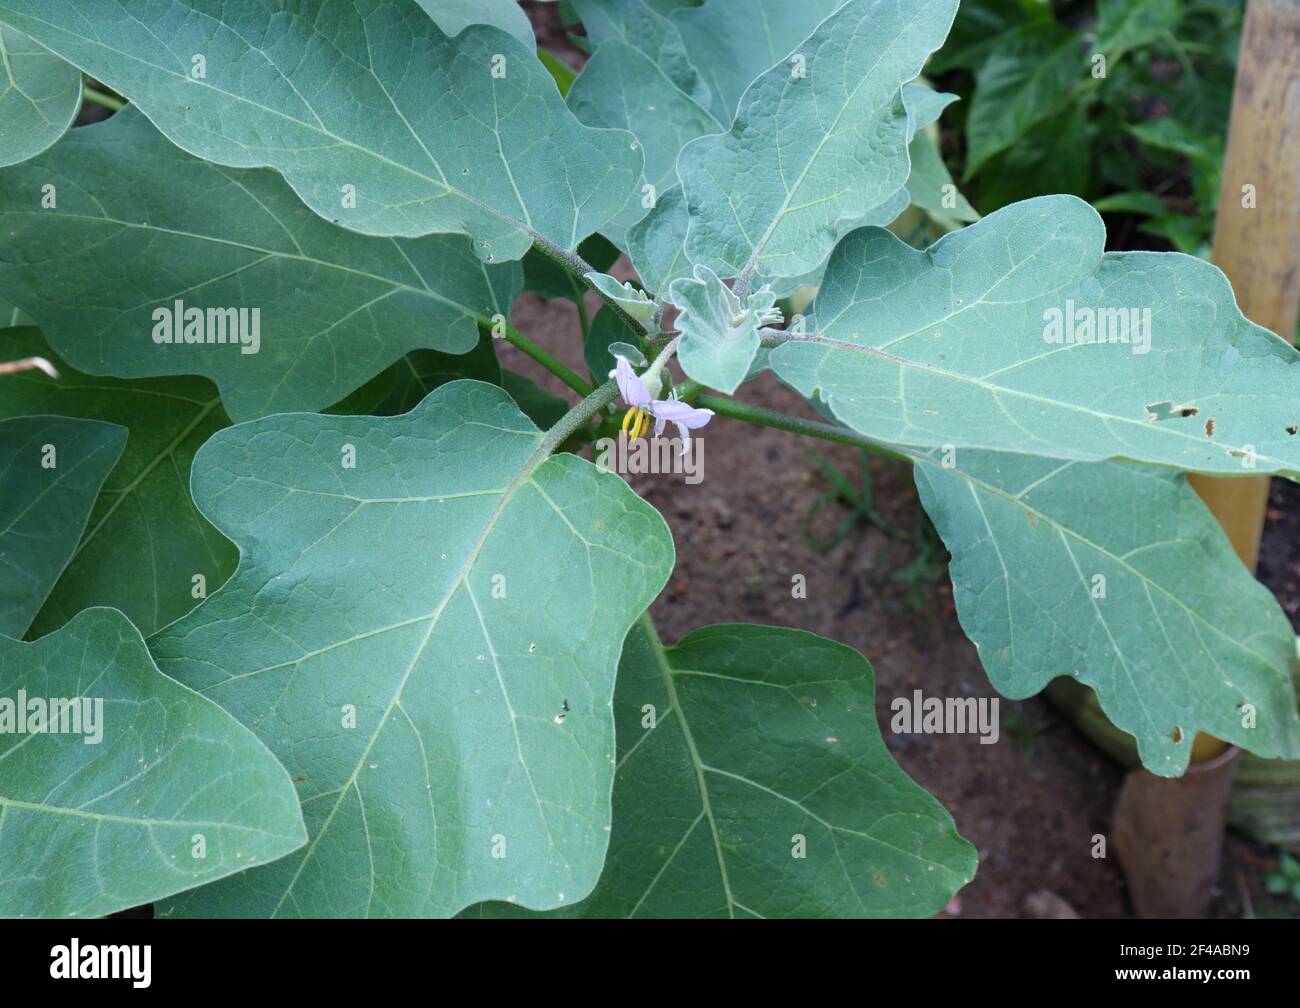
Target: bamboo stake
1257,233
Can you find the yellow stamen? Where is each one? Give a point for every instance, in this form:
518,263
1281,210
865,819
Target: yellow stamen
636,422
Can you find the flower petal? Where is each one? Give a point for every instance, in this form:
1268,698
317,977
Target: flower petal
631,387
680,413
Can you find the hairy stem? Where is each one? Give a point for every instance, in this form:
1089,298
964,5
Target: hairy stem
577,418
746,278
579,268
775,337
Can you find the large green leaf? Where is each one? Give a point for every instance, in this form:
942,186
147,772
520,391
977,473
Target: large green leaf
657,243
733,41
467,598
1024,81
1117,575
734,743
139,225
719,341
465,135
160,790
816,147
39,96
145,541
1124,25
641,79
947,346
51,469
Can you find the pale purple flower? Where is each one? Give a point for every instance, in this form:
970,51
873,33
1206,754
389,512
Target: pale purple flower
683,416
630,387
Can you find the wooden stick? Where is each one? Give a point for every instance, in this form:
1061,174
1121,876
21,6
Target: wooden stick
1257,232
29,364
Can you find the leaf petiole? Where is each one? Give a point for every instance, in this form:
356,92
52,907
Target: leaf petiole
552,364
108,101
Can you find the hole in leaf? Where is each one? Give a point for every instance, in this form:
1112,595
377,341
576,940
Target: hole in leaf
1166,410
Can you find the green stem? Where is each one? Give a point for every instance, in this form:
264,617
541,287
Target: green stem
579,268
552,364
99,98
738,410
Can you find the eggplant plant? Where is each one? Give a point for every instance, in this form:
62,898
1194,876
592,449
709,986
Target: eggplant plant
312,609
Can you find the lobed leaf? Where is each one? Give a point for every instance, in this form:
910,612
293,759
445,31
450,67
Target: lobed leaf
818,144
656,243
464,599
1119,576
51,469
735,743
362,98
173,793
139,225
950,346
